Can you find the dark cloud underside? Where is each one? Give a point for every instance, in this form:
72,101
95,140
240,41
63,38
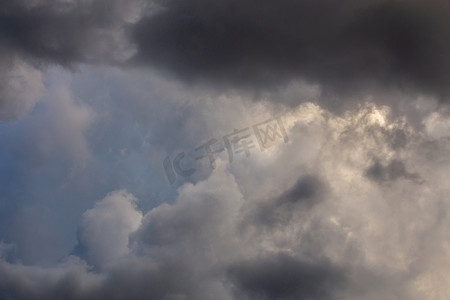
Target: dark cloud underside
345,45
285,277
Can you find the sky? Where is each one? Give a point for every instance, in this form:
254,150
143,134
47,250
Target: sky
229,150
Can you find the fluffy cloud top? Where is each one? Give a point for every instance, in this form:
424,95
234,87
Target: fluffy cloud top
354,221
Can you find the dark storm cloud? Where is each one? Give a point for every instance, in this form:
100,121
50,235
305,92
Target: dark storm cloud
348,46
42,32
59,31
285,277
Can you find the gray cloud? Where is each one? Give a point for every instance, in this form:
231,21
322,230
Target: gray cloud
285,277
307,192
64,32
346,46
350,49
315,217
21,87
335,234
394,170
105,229
36,34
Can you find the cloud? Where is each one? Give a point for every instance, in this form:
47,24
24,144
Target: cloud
36,34
66,32
104,230
40,154
334,232
351,206
346,50
391,172
284,277
307,192
171,256
21,87
347,47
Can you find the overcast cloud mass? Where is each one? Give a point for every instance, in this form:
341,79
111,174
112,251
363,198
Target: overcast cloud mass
329,127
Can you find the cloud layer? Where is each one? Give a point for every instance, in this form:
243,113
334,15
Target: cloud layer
346,46
351,204
351,220
351,49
